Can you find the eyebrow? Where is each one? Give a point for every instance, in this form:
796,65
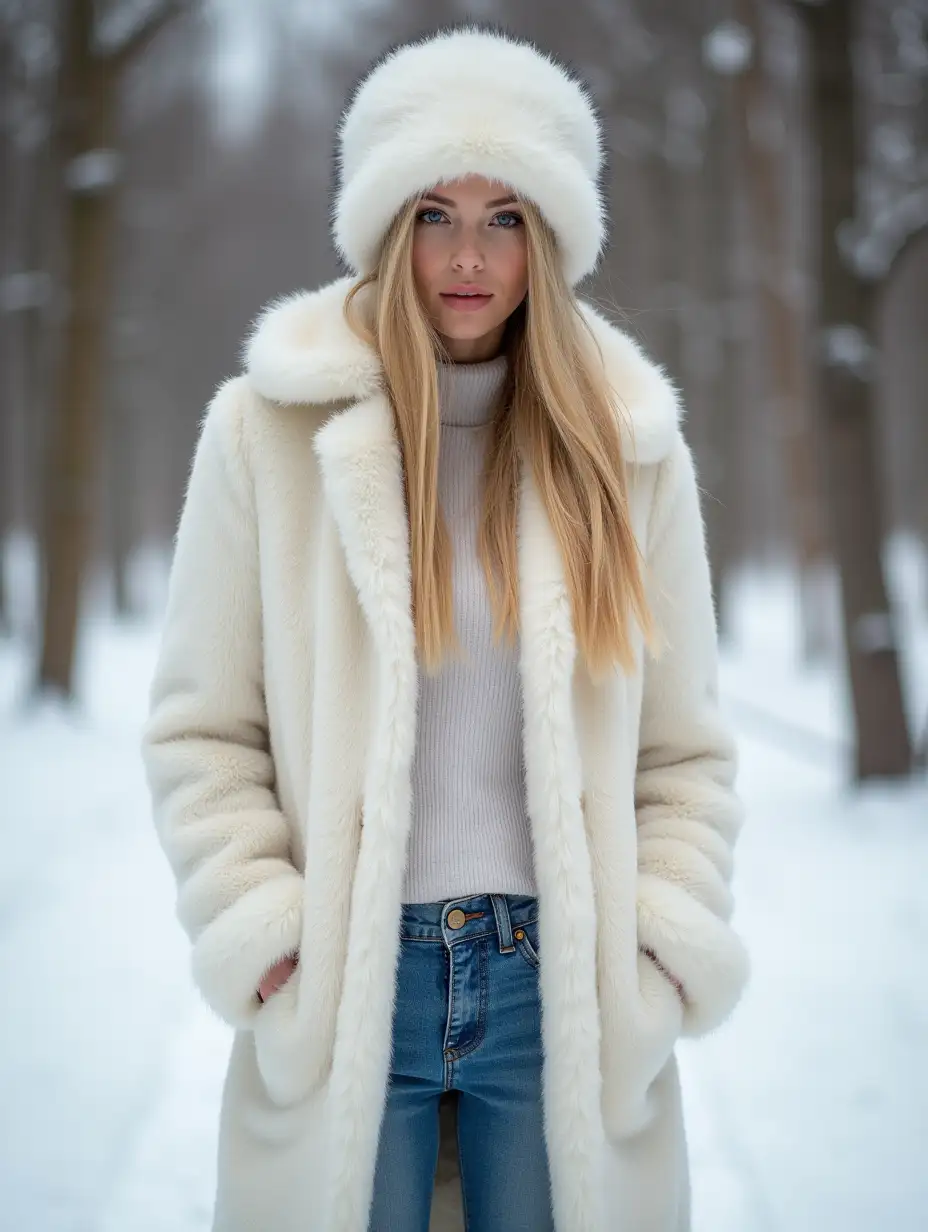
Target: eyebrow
431,196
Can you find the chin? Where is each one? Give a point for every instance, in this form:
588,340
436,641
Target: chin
468,329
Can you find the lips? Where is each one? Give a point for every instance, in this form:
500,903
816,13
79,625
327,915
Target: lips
465,301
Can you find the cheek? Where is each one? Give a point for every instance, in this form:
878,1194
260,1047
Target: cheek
513,269
426,260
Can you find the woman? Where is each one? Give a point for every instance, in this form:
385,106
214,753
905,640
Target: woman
434,743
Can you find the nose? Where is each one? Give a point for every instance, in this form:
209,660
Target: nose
467,256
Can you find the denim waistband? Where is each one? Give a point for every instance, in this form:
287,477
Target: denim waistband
483,914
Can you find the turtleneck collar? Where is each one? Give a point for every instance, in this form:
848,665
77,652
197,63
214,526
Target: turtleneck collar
467,392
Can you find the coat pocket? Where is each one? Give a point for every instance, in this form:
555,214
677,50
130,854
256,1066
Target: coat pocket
291,1063
635,1054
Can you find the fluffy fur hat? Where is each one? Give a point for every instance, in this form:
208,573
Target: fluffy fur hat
470,101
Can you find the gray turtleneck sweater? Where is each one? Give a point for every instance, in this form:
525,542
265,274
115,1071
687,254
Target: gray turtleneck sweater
470,831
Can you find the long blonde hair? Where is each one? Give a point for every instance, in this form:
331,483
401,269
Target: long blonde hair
557,407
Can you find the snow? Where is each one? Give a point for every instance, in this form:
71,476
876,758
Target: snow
25,290
911,31
847,346
35,47
93,172
807,1110
893,146
727,48
876,248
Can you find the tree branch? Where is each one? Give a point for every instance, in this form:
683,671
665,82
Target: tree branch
145,33
808,12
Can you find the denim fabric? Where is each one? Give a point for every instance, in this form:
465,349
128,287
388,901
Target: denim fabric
468,1018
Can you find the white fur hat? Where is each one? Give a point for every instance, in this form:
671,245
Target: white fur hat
470,101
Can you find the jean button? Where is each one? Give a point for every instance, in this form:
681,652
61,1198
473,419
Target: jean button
456,918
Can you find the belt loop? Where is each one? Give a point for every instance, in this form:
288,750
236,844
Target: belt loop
503,923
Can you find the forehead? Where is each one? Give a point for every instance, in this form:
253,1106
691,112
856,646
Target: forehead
474,190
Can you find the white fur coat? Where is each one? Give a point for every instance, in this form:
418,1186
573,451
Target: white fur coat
278,751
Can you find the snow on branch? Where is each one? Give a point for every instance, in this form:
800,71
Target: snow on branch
848,347
727,48
130,26
875,249
93,173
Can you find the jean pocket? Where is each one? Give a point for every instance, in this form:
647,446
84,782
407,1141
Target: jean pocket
526,939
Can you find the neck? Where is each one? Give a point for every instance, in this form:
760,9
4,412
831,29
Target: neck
467,392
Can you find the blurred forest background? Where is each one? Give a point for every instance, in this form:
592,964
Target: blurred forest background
167,167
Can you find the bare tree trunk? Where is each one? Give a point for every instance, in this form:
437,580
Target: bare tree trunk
10,408
120,505
86,135
772,270
846,372
716,382
921,756
24,275
664,189
89,169
912,247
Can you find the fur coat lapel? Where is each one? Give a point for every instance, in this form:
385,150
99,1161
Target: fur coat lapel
301,350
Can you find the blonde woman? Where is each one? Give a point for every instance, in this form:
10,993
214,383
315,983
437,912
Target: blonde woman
434,744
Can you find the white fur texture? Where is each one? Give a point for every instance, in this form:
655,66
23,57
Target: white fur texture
300,349
279,749
688,815
469,101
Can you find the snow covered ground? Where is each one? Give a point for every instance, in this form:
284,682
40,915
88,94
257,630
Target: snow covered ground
808,1110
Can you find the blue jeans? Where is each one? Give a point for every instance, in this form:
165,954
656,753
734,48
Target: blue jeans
467,1019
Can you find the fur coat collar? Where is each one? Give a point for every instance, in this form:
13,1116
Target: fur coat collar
301,350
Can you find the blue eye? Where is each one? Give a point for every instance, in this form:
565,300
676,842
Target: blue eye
421,216
517,219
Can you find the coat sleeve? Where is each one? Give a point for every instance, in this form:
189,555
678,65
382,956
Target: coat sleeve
205,743
688,814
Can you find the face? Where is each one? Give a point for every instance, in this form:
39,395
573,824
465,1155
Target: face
470,237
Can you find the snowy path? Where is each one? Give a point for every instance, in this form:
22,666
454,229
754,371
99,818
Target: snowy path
809,1110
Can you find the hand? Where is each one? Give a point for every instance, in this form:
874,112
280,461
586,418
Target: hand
663,970
278,975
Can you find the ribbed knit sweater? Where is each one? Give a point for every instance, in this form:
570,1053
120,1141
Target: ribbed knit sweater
470,831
